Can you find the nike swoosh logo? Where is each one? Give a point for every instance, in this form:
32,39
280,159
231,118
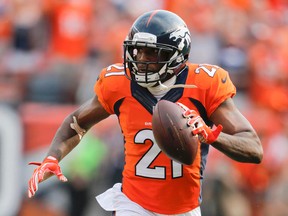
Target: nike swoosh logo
223,80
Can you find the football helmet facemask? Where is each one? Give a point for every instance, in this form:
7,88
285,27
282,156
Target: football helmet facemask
168,37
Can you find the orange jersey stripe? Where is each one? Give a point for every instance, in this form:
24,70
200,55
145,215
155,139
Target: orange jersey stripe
150,18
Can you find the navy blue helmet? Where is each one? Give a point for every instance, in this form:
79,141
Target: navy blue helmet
164,32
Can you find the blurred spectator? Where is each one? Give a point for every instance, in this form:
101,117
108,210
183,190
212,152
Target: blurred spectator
269,71
205,44
134,8
233,26
109,35
29,37
234,59
70,22
276,195
5,26
89,74
22,40
56,84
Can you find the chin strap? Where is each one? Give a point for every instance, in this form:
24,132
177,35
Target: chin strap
164,87
170,85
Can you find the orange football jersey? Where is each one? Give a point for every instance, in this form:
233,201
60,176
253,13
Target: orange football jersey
150,178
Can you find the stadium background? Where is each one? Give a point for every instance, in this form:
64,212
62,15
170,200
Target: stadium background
50,54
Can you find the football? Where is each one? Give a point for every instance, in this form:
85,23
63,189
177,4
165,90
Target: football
172,134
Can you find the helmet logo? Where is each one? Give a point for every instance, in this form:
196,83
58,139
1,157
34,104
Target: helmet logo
182,34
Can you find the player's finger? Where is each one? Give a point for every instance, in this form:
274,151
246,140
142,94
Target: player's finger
29,193
198,127
62,178
31,187
189,113
197,131
41,175
182,106
217,129
34,182
59,174
201,138
194,122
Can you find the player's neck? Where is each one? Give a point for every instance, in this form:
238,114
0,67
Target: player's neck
158,91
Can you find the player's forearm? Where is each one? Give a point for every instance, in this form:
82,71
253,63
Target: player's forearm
59,149
242,147
64,140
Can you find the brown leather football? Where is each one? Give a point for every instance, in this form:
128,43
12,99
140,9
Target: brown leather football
172,134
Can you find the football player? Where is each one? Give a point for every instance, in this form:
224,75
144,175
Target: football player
155,68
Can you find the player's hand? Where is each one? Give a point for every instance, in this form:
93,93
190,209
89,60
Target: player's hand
199,127
49,165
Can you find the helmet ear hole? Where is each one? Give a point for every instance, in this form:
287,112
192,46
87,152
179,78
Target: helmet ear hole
179,68
186,57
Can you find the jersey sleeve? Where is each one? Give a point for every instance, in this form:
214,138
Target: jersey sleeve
214,85
111,86
221,88
100,88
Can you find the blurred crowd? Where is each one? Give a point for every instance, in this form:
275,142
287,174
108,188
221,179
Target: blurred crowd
51,52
